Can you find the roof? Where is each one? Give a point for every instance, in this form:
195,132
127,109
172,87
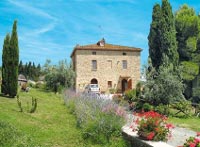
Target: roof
21,77
106,46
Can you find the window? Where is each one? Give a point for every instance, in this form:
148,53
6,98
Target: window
109,84
110,63
94,64
94,53
124,54
124,64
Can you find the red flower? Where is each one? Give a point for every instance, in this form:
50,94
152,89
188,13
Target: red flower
157,129
198,133
150,136
157,122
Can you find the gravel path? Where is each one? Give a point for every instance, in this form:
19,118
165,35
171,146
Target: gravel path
179,136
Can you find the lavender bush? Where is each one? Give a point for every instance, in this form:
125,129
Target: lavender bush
100,119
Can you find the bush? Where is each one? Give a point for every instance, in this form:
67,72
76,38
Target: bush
162,109
147,107
139,105
100,120
112,90
130,95
182,106
29,110
117,98
40,85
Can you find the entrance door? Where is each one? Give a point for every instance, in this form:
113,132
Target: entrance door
124,85
129,84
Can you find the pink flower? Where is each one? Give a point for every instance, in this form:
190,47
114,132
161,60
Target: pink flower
169,126
192,144
137,121
197,140
198,133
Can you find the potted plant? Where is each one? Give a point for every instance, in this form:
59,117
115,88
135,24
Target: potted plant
153,126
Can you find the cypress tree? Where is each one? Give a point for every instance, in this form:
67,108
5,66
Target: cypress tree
154,37
20,68
14,62
168,34
26,70
5,57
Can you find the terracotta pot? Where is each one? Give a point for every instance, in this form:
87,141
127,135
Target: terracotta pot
143,135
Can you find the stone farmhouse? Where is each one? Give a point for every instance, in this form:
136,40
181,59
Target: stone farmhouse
110,66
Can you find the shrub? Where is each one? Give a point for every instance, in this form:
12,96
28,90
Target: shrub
182,106
164,86
147,107
162,109
40,85
33,105
100,120
153,126
112,90
130,95
117,98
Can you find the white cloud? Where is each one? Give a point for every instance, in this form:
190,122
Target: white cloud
44,29
31,9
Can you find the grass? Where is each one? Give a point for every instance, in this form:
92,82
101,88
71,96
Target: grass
190,122
51,125
181,120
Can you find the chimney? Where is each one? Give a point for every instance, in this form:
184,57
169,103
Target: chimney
102,42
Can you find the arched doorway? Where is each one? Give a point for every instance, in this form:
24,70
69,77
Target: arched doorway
124,85
94,81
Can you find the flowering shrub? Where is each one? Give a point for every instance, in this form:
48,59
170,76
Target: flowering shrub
99,120
153,126
192,141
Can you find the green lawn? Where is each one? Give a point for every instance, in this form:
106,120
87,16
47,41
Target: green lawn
51,125
191,122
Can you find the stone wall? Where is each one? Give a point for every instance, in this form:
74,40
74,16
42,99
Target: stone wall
109,68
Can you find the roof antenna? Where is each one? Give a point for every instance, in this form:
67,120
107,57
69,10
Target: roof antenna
101,31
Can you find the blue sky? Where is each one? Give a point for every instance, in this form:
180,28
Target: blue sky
49,29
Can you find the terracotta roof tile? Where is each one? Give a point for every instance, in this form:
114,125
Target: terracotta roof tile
105,47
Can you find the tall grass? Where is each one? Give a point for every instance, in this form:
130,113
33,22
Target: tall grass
100,120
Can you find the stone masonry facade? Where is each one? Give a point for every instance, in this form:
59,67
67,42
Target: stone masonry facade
111,66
